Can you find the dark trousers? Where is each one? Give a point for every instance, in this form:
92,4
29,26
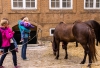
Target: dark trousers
13,54
24,47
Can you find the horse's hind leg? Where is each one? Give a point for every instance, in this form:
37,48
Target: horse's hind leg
76,44
84,59
90,59
85,54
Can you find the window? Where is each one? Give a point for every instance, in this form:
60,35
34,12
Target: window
91,4
24,4
60,4
52,31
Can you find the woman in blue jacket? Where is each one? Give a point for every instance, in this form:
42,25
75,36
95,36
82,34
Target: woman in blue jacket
25,37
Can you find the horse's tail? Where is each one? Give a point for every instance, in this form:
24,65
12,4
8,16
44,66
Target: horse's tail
91,44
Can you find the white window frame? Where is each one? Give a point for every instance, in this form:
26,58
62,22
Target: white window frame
24,6
94,5
61,5
50,31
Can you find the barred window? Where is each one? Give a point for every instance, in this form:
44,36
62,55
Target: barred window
24,4
91,4
60,4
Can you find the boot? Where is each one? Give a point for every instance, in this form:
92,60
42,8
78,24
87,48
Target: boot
17,67
1,66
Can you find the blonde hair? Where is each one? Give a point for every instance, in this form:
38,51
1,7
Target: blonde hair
25,19
3,22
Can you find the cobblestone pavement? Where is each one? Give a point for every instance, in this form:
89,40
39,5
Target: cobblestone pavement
42,57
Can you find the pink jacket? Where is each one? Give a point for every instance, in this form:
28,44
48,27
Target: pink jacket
7,34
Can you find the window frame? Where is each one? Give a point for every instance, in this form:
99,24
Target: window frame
51,30
24,6
55,8
94,5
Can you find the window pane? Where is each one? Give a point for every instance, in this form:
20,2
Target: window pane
91,4
87,0
97,0
97,5
68,0
64,0
27,0
19,0
64,4
57,4
14,4
91,1
68,4
14,0
27,4
86,5
32,4
20,4
52,31
52,0
52,4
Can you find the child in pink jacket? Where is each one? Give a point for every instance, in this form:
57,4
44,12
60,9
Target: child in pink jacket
6,35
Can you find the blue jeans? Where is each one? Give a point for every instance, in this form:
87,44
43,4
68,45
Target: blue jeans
24,47
13,54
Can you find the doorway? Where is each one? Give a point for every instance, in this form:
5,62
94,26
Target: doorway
32,39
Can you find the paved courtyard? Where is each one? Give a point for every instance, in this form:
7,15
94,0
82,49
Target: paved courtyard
42,57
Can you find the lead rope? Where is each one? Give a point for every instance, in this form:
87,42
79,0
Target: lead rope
22,44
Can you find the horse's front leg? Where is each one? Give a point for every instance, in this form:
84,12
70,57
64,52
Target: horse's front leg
54,52
66,54
57,53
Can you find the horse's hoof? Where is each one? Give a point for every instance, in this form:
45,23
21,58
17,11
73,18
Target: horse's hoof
89,65
96,45
56,58
66,58
54,53
82,62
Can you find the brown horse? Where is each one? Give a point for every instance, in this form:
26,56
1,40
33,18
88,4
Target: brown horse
80,32
85,35
62,33
96,26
